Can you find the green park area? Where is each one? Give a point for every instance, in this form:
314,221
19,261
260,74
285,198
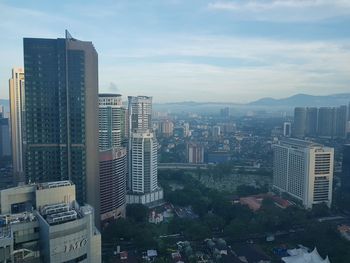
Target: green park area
218,216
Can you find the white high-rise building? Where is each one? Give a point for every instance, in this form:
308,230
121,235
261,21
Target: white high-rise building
144,162
111,120
304,170
143,175
17,96
140,113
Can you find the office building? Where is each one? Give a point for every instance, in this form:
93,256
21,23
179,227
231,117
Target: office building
195,153
326,122
140,113
113,169
311,122
144,168
304,170
44,223
345,182
111,121
5,139
341,122
61,112
17,96
287,129
299,125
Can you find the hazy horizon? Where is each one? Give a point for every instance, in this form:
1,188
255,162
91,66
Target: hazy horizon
203,51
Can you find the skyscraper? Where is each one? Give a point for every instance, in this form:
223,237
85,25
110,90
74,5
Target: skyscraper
326,122
111,120
61,112
143,146
304,170
17,97
341,122
311,122
299,125
113,157
140,113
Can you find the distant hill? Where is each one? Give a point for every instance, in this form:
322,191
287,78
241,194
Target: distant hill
304,100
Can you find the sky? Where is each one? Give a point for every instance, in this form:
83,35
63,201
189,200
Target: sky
194,50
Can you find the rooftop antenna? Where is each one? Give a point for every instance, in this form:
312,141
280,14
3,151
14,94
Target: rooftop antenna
68,35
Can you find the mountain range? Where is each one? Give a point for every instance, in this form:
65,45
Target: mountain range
305,100
298,100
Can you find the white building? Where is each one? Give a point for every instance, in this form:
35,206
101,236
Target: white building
304,170
140,113
111,120
44,223
17,97
143,164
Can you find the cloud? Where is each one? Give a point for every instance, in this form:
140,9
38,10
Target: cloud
204,68
283,10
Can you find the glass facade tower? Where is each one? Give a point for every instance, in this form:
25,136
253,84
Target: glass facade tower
61,112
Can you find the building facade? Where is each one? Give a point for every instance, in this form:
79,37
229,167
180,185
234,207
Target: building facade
142,154
195,153
299,124
61,112
113,168
5,139
17,98
44,223
111,121
311,122
287,129
304,170
140,113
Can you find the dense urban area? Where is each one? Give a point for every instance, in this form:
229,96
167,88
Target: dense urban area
174,131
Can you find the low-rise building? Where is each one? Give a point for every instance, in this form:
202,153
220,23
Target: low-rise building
44,223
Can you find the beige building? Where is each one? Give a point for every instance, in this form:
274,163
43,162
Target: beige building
304,170
17,96
44,223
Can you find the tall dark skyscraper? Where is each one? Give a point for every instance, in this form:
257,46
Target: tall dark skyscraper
299,125
341,121
61,112
311,122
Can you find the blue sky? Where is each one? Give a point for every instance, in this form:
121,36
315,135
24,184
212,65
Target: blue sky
180,50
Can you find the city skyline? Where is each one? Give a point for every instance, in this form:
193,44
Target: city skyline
180,51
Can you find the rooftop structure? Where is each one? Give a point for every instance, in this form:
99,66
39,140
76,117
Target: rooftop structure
57,228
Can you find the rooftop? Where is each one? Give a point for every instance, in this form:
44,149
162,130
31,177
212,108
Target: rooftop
54,184
101,95
299,143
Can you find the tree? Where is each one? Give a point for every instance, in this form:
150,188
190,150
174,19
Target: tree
137,212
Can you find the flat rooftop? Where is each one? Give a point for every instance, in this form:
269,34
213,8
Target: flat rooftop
299,143
54,184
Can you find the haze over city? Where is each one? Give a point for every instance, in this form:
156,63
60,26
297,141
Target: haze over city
176,50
